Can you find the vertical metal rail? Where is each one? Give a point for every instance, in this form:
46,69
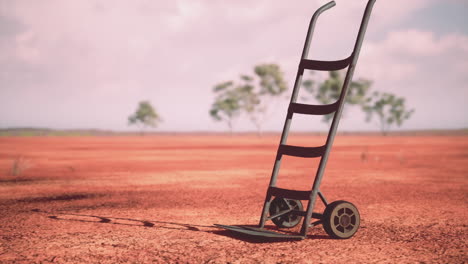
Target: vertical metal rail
287,123
336,118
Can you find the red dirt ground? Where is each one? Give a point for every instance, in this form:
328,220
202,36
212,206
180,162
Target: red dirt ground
155,198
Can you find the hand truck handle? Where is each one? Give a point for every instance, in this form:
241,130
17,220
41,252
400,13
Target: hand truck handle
310,32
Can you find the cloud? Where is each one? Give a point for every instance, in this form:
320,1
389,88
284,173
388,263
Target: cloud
408,53
429,70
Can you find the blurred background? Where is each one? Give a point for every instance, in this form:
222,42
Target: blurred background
87,64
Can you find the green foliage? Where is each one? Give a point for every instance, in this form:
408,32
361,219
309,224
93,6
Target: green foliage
389,109
329,91
271,85
250,95
144,116
250,99
227,104
271,79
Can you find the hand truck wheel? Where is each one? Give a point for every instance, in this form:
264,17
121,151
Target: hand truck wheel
287,220
341,219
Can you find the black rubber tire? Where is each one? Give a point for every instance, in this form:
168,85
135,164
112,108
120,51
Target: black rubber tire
288,220
341,219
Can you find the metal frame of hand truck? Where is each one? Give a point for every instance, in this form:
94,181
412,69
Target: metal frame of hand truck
308,152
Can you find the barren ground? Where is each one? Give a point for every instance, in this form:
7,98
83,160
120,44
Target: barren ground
155,198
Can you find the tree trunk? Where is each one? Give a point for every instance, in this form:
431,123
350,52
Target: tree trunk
230,127
383,129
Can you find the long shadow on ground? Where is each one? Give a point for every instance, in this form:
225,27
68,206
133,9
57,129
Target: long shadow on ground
164,224
119,221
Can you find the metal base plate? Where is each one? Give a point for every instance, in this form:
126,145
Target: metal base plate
258,232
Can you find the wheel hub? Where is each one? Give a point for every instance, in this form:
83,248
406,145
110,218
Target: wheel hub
345,220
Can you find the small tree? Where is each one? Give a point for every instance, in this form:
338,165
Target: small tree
329,91
246,96
257,98
389,109
227,104
250,99
144,116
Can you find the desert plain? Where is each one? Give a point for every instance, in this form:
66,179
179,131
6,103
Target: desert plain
155,198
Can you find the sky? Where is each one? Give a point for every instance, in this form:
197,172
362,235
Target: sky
87,64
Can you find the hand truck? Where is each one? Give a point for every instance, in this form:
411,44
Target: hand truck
340,219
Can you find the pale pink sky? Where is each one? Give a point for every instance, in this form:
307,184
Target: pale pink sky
86,64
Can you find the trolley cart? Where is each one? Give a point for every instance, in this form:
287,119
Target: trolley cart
284,207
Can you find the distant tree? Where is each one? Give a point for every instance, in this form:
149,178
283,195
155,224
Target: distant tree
251,95
257,98
388,108
227,104
249,98
272,86
144,116
329,91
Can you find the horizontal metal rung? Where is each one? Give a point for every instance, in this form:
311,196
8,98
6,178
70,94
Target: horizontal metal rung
299,212
317,215
304,152
313,109
289,194
324,65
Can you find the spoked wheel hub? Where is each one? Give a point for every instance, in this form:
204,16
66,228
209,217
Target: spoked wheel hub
345,220
341,219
